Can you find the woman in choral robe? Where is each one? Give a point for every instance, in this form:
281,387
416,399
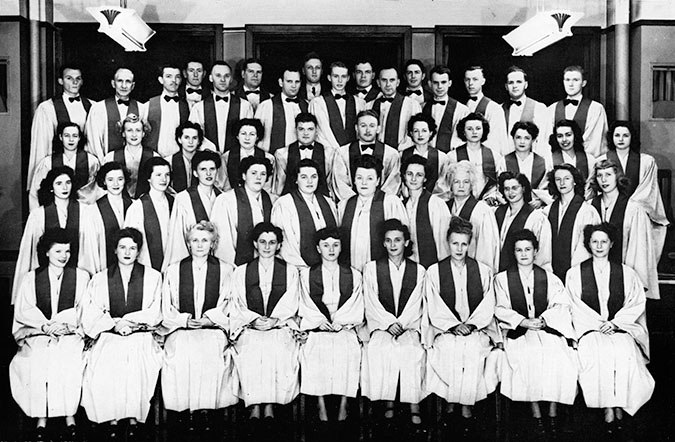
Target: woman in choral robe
474,130
421,130
460,300
331,307
107,216
458,185
68,150
46,373
516,215
534,314
608,313
301,213
567,146
393,357
634,244
568,215
122,309
58,209
265,298
196,376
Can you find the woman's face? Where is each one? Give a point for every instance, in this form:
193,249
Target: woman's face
267,245
564,181
395,243
414,177
421,133
200,243
160,178
565,137
522,140
133,133
126,251
600,244
513,191
247,136
622,138
70,137
62,187
308,180
114,182
461,184
473,130
524,252
255,177
459,245
58,255
366,181
606,179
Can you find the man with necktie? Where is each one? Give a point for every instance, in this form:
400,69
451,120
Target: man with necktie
498,139
249,89
312,69
445,110
415,74
193,92
364,75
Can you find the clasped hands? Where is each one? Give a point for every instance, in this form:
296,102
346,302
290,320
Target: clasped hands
533,323
56,329
462,329
608,328
263,323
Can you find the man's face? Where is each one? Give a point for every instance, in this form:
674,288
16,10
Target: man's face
388,82
474,81
253,75
338,78
313,69
123,83
194,73
574,83
290,83
516,85
170,80
440,84
364,75
367,128
221,77
306,132
414,76
71,81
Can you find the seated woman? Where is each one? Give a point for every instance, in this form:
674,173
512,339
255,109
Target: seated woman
46,373
67,150
58,209
122,309
634,242
265,297
533,310
195,374
460,304
568,215
421,130
331,307
393,357
608,313
567,147
301,213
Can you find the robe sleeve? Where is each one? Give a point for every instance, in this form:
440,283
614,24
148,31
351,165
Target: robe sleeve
96,317
280,165
558,314
27,258
264,114
508,318
224,216
42,132
538,223
239,314
497,139
181,219
377,318
632,318
439,216
391,172
88,193
151,311
95,244
286,309
324,135
134,218
341,178
595,141
218,314
96,129
172,318
310,316
351,314
639,253
485,236
394,208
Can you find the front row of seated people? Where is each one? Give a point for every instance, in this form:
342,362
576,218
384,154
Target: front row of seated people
218,334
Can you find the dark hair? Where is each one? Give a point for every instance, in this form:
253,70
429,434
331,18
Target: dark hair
394,224
622,182
311,56
473,116
421,117
205,155
127,232
579,183
251,161
337,64
253,122
460,226
289,68
634,138
474,68
576,130
363,60
528,126
415,61
160,69
325,233
305,117
295,171
524,235
415,159
193,60
189,125
108,167
610,229
49,238
440,70
248,61
575,68
387,68
220,63
368,113
46,190
522,180
149,166
368,162
266,227
57,146
72,67
513,69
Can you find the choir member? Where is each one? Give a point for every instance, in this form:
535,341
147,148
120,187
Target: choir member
219,111
520,107
608,313
265,298
46,373
567,147
362,215
68,150
134,154
393,356
568,215
394,109
121,312
421,130
192,90
524,160
312,70
150,214
534,314
331,307
429,216
517,214
70,107
367,128
460,299
102,127
364,77
474,129
249,89
415,74
484,246
287,158
445,110
634,242
497,139
196,373
189,137
301,213
58,209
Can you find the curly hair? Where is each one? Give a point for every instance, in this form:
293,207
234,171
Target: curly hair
579,183
634,138
46,190
473,116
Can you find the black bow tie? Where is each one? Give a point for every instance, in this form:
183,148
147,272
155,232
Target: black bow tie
441,102
71,99
387,99
473,98
570,101
225,99
308,147
252,92
409,92
367,146
167,98
293,100
191,90
516,102
340,97
362,91
123,102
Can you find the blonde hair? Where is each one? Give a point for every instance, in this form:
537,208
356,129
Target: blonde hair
204,226
445,182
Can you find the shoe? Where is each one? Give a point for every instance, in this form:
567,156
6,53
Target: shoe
71,434
553,427
114,433
40,434
468,428
132,432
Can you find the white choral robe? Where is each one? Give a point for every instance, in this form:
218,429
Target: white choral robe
498,139
267,362
437,113
133,164
96,127
461,369
281,167
526,168
94,230
539,365
538,223
330,361
324,133
443,163
122,371
540,118
223,180
485,245
341,182
595,141
222,111
198,366
46,373
86,194
612,368
389,362
135,218
265,114
439,218
409,108
476,159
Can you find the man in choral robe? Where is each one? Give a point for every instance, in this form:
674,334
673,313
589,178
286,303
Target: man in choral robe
312,71
364,76
521,108
189,136
445,110
193,92
415,74
249,89
498,139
